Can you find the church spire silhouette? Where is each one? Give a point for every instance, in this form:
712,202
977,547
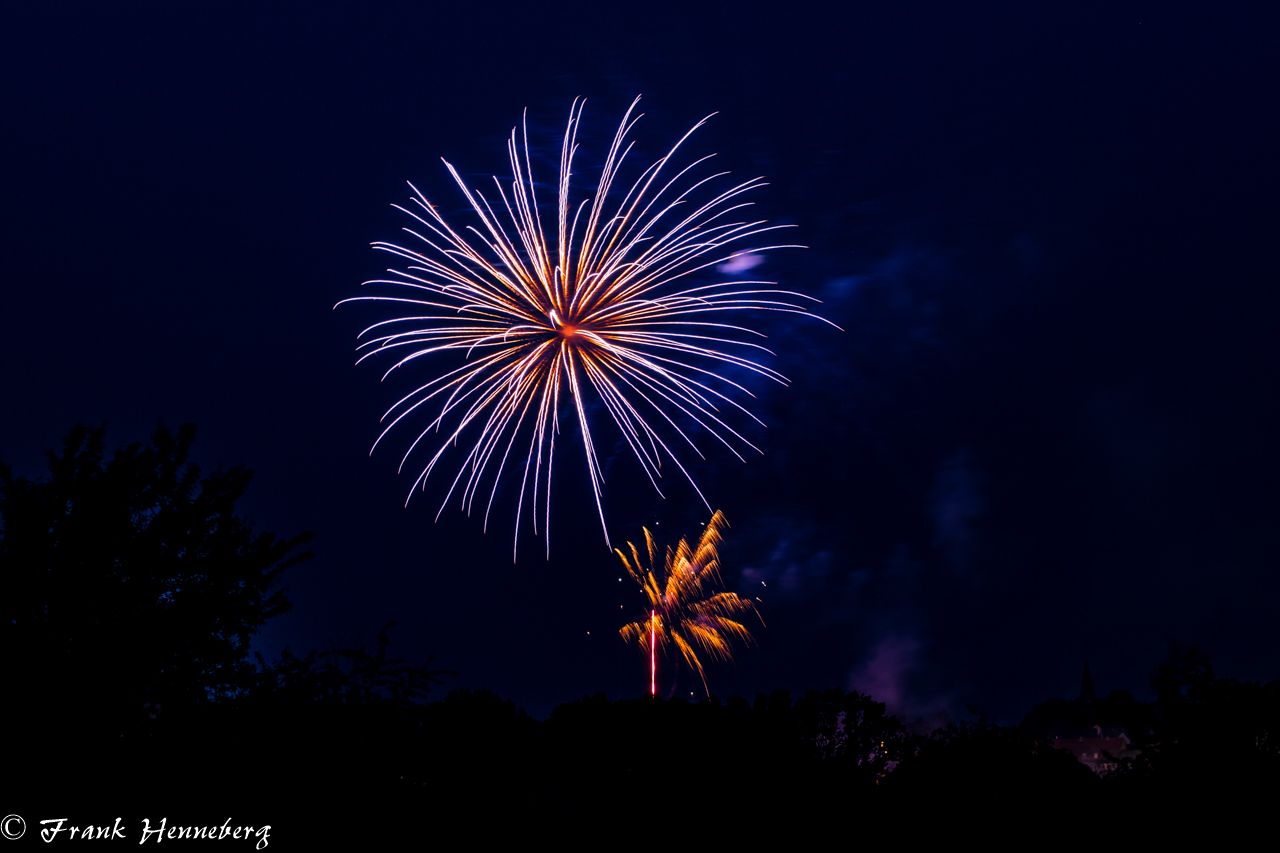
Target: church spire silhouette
1086,684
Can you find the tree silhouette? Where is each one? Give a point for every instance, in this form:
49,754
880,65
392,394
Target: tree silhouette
1209,734
131,586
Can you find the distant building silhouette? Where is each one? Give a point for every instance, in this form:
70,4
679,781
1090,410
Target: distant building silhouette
1088,727
1086,685
1098,753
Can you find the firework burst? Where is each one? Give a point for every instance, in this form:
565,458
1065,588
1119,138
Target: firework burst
684,611
594,307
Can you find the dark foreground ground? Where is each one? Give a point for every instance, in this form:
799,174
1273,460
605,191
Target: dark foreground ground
371,767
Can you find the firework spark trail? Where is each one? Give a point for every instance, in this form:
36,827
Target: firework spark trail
683,610
606,310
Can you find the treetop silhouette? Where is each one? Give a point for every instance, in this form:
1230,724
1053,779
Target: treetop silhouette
131,582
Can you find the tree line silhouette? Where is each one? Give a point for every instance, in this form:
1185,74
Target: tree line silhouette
132,591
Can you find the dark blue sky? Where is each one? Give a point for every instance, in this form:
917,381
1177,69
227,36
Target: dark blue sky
1049,232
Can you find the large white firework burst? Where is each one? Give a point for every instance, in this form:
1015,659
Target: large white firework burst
605,310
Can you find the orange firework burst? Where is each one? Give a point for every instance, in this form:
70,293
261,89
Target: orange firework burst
684,611
603,311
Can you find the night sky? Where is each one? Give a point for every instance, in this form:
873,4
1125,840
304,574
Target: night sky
1047,432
